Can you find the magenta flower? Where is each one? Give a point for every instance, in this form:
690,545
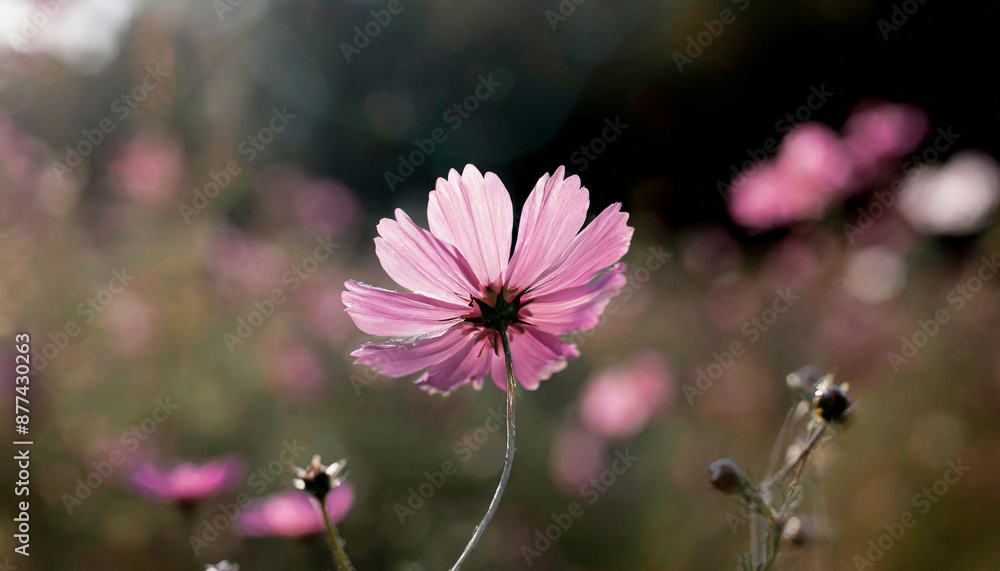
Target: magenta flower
466,286
620,401
879,132
188,483
812,170
294,514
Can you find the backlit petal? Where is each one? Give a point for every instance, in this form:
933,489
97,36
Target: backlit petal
399,314
474,214
552,216
575,309
420,262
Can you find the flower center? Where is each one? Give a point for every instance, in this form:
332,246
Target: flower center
497,316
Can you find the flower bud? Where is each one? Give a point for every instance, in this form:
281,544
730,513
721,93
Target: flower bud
833,404
797,531
725,476
318,479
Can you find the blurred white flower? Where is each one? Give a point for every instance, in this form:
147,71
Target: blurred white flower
958,198
83,33
875,275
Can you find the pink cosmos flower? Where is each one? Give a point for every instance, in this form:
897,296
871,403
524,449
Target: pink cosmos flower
466,286
294,513
619,402
812,169
880,131
188,483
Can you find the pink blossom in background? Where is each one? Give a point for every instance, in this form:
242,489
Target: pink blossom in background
880,131
464,278
321,205
188,482
295,370
149,168
251,265
293,513
817,167
326,206
577,456
811,170
132,323
619,402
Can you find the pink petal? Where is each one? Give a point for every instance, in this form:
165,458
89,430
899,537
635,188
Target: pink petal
552,216
536,355
815,154
463,367
397,359
398,314
769,197
602,243
475,215
575,309
418,261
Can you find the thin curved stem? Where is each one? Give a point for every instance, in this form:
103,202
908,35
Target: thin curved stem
343,562
508,461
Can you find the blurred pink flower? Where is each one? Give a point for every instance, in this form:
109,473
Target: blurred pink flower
188,483
811,170
880,131
467,284
295,370
816,167
149,168
132,322
326,206
577,457
293,513
619,402
253,266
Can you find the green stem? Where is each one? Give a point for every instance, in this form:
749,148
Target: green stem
343,562
508,461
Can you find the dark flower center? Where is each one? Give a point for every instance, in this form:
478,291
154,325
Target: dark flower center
497,316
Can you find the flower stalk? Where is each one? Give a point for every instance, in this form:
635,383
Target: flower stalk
343,562
828,407
477,535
